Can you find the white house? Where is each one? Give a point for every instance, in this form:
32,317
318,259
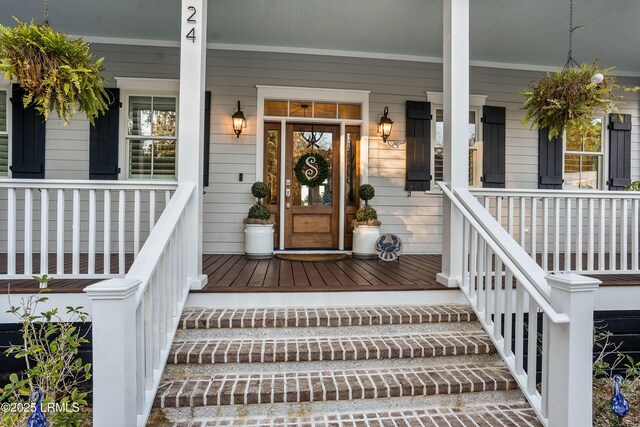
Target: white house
162,178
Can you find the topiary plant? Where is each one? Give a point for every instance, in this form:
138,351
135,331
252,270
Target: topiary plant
366,215
57,73
259,213
259,189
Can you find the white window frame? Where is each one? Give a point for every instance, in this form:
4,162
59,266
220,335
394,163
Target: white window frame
476,102
604,139
5,85
131,86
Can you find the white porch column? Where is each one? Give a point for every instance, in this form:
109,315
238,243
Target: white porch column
193,58
456,116
571,351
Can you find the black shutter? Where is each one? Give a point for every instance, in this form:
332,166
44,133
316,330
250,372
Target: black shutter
103,141
28,137
207,125
619,151
418,146
494,145
549,161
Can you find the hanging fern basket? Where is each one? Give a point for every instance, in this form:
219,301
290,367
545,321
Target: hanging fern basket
57,73
569,96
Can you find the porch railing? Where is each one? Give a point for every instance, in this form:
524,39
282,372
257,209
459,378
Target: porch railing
135,320
540,324
51,224
582,231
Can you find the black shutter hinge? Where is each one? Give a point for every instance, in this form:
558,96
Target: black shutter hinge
120,104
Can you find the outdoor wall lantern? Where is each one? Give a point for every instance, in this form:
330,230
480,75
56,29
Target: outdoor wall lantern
239,121
385,125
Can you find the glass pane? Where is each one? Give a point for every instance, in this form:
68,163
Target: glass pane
272,175
438,173
164,117
585,139
353,139
164,159
140,115
439,141
4,155
140,158
350,111
473,154
324,110
3,111
300,109
276,108
582,171
472,129
302,195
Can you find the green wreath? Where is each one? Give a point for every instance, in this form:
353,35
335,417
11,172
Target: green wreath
312,169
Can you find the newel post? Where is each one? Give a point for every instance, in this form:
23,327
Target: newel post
113,331
571,351
193,60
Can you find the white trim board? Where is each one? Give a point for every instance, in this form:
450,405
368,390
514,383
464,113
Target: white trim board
334,52
325,299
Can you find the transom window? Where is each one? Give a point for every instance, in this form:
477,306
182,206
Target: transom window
584,156
438,147
312,109
151,137
4,135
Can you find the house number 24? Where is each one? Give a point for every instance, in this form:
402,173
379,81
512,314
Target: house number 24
191,35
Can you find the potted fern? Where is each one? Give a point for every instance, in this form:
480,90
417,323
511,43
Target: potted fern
57,73
366,226
258,231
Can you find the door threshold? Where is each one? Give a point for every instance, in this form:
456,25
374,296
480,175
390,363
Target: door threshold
311,251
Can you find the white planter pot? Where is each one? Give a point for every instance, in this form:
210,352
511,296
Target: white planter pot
258,241
364,241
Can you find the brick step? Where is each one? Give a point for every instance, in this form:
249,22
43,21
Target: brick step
326,386
308,349
505,414
223,318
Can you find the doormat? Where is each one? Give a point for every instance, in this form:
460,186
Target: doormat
312,257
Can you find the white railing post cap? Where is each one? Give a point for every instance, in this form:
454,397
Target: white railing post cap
571,282
112,289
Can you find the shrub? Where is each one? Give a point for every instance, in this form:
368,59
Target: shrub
259,190
366,192
50,350
635,186
366,215
258,212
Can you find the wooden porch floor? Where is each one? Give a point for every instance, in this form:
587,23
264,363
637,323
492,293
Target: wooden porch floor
234,273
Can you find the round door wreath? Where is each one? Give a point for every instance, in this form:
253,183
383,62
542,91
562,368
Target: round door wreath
312,169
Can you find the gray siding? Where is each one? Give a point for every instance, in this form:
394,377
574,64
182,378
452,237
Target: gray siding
233,75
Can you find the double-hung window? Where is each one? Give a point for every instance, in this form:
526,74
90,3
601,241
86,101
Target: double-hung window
584,156
4,134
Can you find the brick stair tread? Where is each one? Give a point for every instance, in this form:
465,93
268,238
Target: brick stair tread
516,414
215,318
305,349
338,385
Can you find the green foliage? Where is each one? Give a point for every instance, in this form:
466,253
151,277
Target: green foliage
569,96
57,73
366,192
635,186
366,214
259,211
50,350
259,190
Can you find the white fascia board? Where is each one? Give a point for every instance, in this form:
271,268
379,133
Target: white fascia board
148,85
474,100
316,94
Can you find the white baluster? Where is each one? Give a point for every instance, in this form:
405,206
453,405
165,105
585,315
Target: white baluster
136,223
497,291
635,247
465,256
76,233
152,210
522,225
579,232
121,232
534,228
499,209
532,341
545,234
519,325
602,232
613,232
60,233
556,234
473,271
28,231
508,313
11,231
591,236
487,284
510,215
624,227
44,232
106,239
567,234
91,262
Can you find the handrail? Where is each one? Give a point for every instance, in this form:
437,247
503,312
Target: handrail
78,184
540,290
575,194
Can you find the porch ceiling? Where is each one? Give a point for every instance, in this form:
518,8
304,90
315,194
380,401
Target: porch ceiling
502,31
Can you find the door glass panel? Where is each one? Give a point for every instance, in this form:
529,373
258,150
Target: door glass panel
276,108
272,178
140,115
302,195
353,138
324,110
